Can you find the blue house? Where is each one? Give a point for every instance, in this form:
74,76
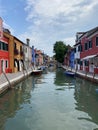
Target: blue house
72,58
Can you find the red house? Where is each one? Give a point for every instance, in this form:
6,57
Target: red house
89,51
4,54
67,58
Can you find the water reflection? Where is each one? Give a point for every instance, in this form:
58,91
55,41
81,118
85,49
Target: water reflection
50,101
63,81
87,99
37,80
12,101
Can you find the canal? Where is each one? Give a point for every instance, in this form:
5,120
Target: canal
50,101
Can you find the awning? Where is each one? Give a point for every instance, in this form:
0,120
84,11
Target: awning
89,57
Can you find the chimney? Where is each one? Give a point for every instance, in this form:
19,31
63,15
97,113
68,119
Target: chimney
1,27
28,41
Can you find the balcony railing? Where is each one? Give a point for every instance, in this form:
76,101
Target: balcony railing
21,53
16,52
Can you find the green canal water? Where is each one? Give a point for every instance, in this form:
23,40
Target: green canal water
51,101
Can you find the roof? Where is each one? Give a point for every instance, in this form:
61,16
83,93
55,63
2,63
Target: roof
87,33
90,32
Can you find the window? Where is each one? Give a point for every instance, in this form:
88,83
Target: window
81,63
96,41
75,50
90,44
26,49
6,47
86,46
14,46
86,63
0,45
78,61
3,46
20,48
81,48
6,63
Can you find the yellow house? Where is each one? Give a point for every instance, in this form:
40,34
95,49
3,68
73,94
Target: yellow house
18,55
15,52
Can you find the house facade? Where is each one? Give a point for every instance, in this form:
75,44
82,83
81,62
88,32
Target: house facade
72,59
4,50
38,57
15,52
27,54
77,50
67,59
18,55
89,53
30,57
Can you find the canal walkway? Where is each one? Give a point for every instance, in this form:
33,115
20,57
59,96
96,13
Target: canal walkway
10,79
86,75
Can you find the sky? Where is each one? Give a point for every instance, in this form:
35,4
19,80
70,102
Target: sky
46,21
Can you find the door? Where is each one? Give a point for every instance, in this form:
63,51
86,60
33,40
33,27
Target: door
2,66
83,65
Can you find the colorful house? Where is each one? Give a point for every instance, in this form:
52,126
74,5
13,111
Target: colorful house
15,52
77,50
38,57
89,54
27,54
72,58
4,50
67,59
33,57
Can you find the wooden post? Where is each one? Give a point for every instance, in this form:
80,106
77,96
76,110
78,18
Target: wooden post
7,80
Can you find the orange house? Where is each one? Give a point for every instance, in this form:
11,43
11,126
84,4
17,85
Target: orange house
15,52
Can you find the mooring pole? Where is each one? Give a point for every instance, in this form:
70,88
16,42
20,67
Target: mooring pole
7,79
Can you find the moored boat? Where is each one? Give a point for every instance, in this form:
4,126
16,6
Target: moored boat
70,73
36,72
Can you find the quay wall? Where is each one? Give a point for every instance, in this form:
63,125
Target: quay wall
82,74
7,81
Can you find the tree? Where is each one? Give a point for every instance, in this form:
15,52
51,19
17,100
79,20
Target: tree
60,50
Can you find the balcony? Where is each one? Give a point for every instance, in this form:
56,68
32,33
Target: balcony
21,53
16,52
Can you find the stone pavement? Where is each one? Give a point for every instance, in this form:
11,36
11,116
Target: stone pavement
6,80
86,75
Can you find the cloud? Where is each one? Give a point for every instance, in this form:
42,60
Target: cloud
50,9
69,41
52,20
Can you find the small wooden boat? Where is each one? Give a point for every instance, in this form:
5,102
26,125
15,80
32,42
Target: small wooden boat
70,73
43,67
36,72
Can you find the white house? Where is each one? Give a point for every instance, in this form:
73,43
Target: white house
77,48
27,55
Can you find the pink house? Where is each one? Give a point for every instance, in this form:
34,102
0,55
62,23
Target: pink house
67,58
39,57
